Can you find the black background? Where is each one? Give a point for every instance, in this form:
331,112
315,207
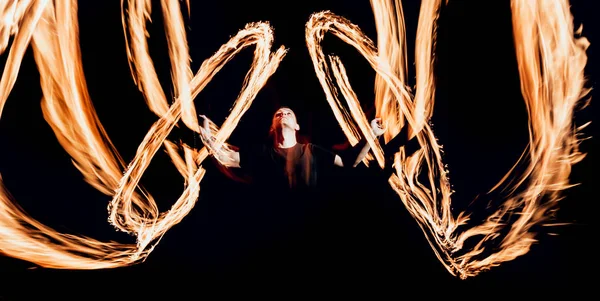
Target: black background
368,243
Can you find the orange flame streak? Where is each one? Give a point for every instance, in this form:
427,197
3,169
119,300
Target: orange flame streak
140,62
68,110
550,59
25,238
551,62
424,206
316,27
127,218
16,22
20,235
264,65
391,43
424,53
180,61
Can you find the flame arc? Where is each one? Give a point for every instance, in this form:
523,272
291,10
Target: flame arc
68,109
551,58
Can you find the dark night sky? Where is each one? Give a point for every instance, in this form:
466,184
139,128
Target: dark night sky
479,118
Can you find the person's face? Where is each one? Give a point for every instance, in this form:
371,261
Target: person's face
284,117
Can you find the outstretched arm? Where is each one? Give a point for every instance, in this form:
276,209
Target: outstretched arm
223,153
360,150
402,140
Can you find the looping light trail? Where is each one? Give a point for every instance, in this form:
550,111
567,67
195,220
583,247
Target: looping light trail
551,61
68,110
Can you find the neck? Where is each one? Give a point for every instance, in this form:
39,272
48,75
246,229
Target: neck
285,138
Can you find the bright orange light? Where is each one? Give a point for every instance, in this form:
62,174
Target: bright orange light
69,111
551,63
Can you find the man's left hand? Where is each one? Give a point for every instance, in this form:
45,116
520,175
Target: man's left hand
377,127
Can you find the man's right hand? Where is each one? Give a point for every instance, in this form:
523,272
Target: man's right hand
377,127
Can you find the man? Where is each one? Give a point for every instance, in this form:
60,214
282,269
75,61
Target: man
288,206
285,162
